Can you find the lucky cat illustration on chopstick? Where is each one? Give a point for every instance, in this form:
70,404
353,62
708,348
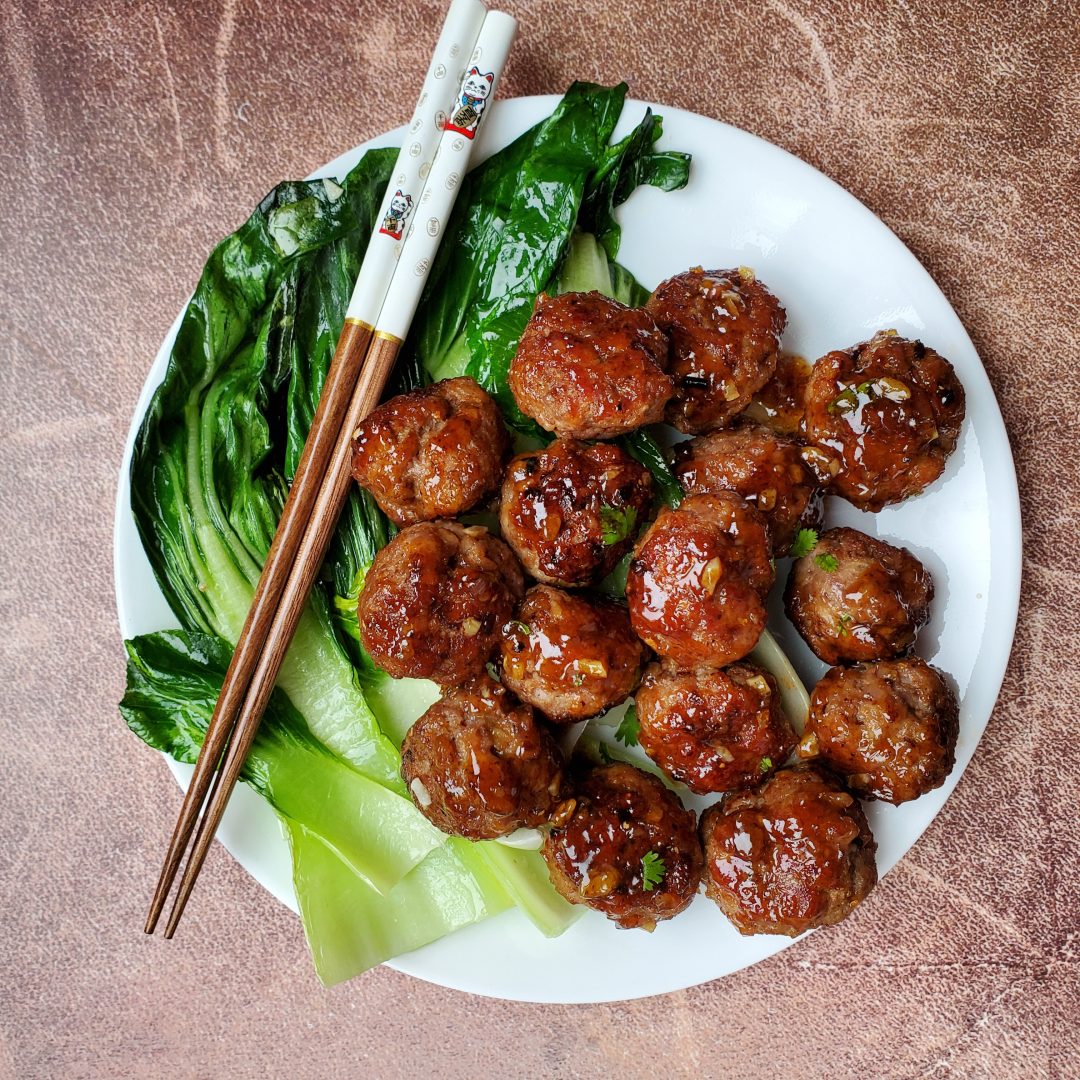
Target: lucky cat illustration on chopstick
397,213
475,90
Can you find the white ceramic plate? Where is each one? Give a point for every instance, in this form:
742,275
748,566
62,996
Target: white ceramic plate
841,275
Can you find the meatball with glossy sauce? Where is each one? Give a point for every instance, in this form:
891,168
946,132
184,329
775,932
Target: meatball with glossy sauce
588,367
854,597
624,845
697,583
571,510
888,728
890,410
570,657
435,600
766,469
478,764
713,730
725,329
432,453
790,855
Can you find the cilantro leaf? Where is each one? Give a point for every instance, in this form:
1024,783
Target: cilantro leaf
629,726
805,542
605,753
652,871
843,623
617,523
828,563
765,764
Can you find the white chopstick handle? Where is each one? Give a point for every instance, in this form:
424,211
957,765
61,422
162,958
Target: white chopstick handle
453,54
451,162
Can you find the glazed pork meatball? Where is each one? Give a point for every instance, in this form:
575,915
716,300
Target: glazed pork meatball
697,583
854,597
570,657
435,600
713,730
478,764
890,410
764,468
790,855
725,329
587,367
433,453
571,511
624,845
888,728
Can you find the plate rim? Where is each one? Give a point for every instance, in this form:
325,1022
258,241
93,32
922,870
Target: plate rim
1005,555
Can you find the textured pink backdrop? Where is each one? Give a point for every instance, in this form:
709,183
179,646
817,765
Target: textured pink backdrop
132,136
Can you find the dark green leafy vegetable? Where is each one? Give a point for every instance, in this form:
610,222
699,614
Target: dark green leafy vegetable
628,165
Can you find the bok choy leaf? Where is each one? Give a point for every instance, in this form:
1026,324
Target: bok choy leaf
512,227
350,927
173,681
211,459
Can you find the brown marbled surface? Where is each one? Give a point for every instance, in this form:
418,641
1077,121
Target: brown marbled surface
132,136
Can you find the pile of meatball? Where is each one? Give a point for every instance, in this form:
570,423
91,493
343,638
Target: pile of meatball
509,629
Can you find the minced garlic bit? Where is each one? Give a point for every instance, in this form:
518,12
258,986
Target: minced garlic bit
890,388
603,883
563,813
420,793
820,460
759,684
710,576
470,627
592,667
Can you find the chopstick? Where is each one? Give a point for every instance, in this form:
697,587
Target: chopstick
456,42
245,693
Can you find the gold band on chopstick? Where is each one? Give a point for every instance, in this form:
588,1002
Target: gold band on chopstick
349,321
392,338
